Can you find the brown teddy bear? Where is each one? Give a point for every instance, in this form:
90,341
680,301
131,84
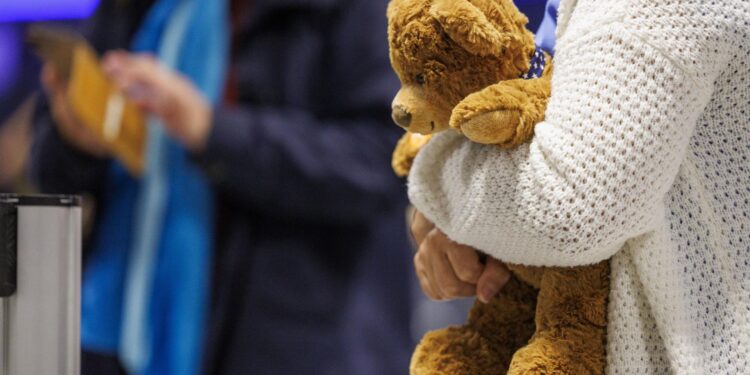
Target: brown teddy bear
472,66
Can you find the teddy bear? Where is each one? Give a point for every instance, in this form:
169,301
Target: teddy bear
471,66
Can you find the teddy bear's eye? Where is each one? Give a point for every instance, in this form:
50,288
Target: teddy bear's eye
420,79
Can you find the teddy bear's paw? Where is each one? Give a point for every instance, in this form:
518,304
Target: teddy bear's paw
406,150
543,356
498,127
457,351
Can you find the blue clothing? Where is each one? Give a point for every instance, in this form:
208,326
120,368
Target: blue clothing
168,271
312,264
147,276
536,65
534,11
545,35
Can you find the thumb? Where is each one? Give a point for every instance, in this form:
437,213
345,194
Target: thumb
493,279
50,80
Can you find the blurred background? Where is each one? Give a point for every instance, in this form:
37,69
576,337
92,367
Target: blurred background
22,99
19,78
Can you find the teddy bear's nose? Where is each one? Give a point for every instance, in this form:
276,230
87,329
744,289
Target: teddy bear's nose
401,116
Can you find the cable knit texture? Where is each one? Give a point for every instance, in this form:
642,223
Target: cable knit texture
643,157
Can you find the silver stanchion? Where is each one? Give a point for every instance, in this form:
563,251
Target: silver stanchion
40,277
4,369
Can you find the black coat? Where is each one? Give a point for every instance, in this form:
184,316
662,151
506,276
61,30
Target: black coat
312,267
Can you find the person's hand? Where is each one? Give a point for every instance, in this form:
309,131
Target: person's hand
70,128
447,270
168,95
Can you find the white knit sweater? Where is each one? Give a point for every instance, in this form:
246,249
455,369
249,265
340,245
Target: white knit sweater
643,158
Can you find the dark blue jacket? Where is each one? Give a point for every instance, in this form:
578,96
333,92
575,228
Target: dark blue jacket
312,267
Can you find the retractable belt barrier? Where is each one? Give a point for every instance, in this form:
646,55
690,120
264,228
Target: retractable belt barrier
40,273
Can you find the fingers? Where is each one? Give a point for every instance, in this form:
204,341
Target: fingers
61,112
77,134
445,281
173,98
50,80
140,77
448,270
60,109
126,67
420,227
465,262
74,132
437,272
422,267
493,279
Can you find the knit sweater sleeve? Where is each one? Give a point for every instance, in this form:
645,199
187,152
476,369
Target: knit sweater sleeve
626,97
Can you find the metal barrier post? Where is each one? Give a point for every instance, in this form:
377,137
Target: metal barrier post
40,273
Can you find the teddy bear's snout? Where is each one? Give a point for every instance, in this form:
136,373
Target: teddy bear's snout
401,116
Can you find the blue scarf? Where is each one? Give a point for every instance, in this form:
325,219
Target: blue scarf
145,288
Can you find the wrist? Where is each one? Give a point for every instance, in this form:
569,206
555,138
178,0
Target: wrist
197,138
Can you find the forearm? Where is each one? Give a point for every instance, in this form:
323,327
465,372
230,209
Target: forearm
287,162
594,176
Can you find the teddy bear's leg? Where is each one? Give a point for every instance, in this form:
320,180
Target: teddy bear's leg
571,320
503,114
486,343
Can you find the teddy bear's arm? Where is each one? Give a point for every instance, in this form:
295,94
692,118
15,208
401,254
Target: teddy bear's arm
405,152
505,113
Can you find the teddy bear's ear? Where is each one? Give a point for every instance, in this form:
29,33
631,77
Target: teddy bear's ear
390,12
468,26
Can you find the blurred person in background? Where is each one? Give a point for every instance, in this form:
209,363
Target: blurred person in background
15,138
268,200
18,72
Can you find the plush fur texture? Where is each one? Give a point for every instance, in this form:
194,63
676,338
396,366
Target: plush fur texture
459,62
406,150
